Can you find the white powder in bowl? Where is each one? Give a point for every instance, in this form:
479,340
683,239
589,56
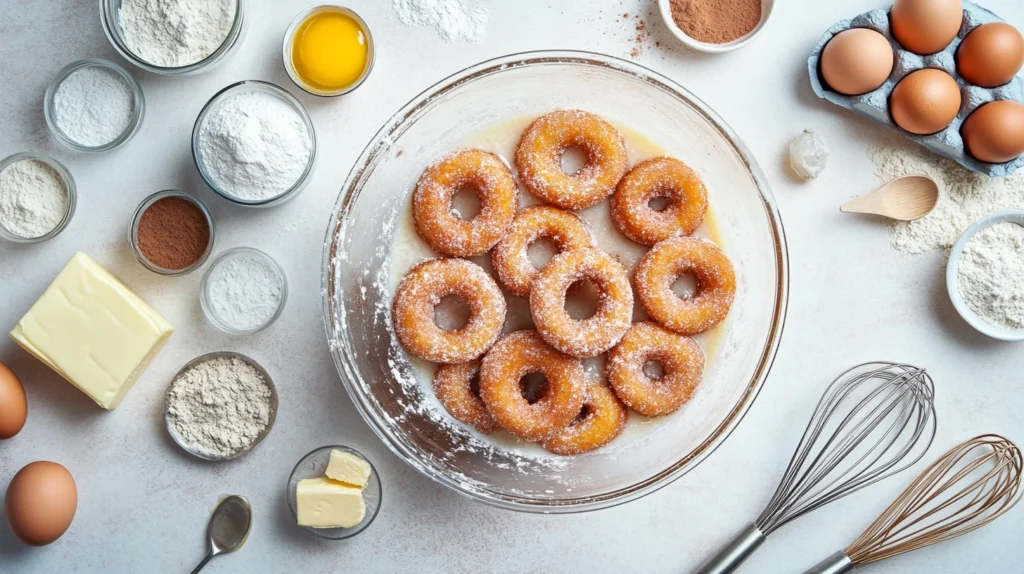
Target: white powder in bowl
93,106
990,274
33,198
244,290
254,145
175,33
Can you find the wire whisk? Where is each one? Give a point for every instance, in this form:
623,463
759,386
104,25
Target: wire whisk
874,420
974,483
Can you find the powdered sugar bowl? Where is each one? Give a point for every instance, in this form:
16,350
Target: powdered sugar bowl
982,275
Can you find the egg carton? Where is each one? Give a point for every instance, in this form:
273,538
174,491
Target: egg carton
874,105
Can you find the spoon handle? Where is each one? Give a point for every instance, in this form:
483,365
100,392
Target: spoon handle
203,563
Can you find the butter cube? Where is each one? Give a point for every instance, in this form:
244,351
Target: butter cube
93,331
325,503
348,468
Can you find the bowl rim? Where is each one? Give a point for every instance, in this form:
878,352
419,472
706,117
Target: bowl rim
380,144
953,277
664,6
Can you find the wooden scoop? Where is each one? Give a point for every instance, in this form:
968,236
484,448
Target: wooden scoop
905,198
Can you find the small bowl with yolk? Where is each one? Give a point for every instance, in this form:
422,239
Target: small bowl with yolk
328,50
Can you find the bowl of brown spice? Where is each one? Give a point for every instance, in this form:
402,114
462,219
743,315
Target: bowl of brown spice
171,233
716,26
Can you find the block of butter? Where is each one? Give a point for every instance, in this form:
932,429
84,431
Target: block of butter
348,468
93,331
326,503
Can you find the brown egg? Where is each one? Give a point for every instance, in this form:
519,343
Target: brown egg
925,101
13,405
926,26
994,133
856,61
41,502
990,55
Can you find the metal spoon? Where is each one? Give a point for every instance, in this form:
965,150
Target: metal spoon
229,526
904,198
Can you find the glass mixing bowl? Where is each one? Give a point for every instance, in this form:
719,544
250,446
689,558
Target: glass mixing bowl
358,282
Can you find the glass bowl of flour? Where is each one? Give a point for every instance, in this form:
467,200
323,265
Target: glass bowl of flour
37,197
178,38
94,106
254,144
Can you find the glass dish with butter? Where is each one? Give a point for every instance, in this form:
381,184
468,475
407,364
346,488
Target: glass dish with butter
334,492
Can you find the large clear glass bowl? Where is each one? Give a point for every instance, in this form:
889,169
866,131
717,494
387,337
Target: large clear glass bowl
358,286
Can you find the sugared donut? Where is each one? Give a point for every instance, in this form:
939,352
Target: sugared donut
539,158
680,357
659,177
596,334
432,211
510,257
424,287
603,418
515,356
716,284
453,386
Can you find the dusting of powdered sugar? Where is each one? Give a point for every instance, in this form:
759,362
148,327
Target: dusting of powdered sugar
453,20
964,196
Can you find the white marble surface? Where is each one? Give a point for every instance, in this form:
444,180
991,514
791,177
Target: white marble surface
143,504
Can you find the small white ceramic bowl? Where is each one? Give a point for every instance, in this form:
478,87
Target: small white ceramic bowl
953,285
666,13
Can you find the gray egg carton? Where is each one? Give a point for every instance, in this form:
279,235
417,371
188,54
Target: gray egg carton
875,104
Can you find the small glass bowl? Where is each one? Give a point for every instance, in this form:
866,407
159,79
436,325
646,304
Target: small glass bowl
138,105
289,36
112,28
255,86
180,440
133,232
69,185
205,286
313,465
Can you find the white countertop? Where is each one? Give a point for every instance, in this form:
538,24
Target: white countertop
143,504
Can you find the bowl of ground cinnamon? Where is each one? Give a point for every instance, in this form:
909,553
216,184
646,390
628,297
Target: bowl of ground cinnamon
716,26
171,233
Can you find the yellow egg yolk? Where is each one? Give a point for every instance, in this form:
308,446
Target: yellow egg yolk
329,51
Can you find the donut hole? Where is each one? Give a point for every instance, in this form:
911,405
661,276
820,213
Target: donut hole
585,412
574,158
466,203
451,313
533,386
474,384
659,203
541,251
582,300
686,286
654,369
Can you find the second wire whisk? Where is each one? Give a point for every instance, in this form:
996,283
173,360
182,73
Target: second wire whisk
874,420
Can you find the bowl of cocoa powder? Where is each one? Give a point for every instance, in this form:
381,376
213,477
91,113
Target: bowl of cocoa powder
716,26
171,233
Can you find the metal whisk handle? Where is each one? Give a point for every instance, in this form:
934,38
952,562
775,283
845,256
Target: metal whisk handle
735,553
838,563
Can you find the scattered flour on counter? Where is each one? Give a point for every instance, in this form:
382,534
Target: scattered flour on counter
453,20
964,196
991,274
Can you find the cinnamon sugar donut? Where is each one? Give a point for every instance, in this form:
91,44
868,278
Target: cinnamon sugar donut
453,387
603,418
659,177
510,257
680,356
591,336
539,158
716,284
424,287
515,356
443,229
